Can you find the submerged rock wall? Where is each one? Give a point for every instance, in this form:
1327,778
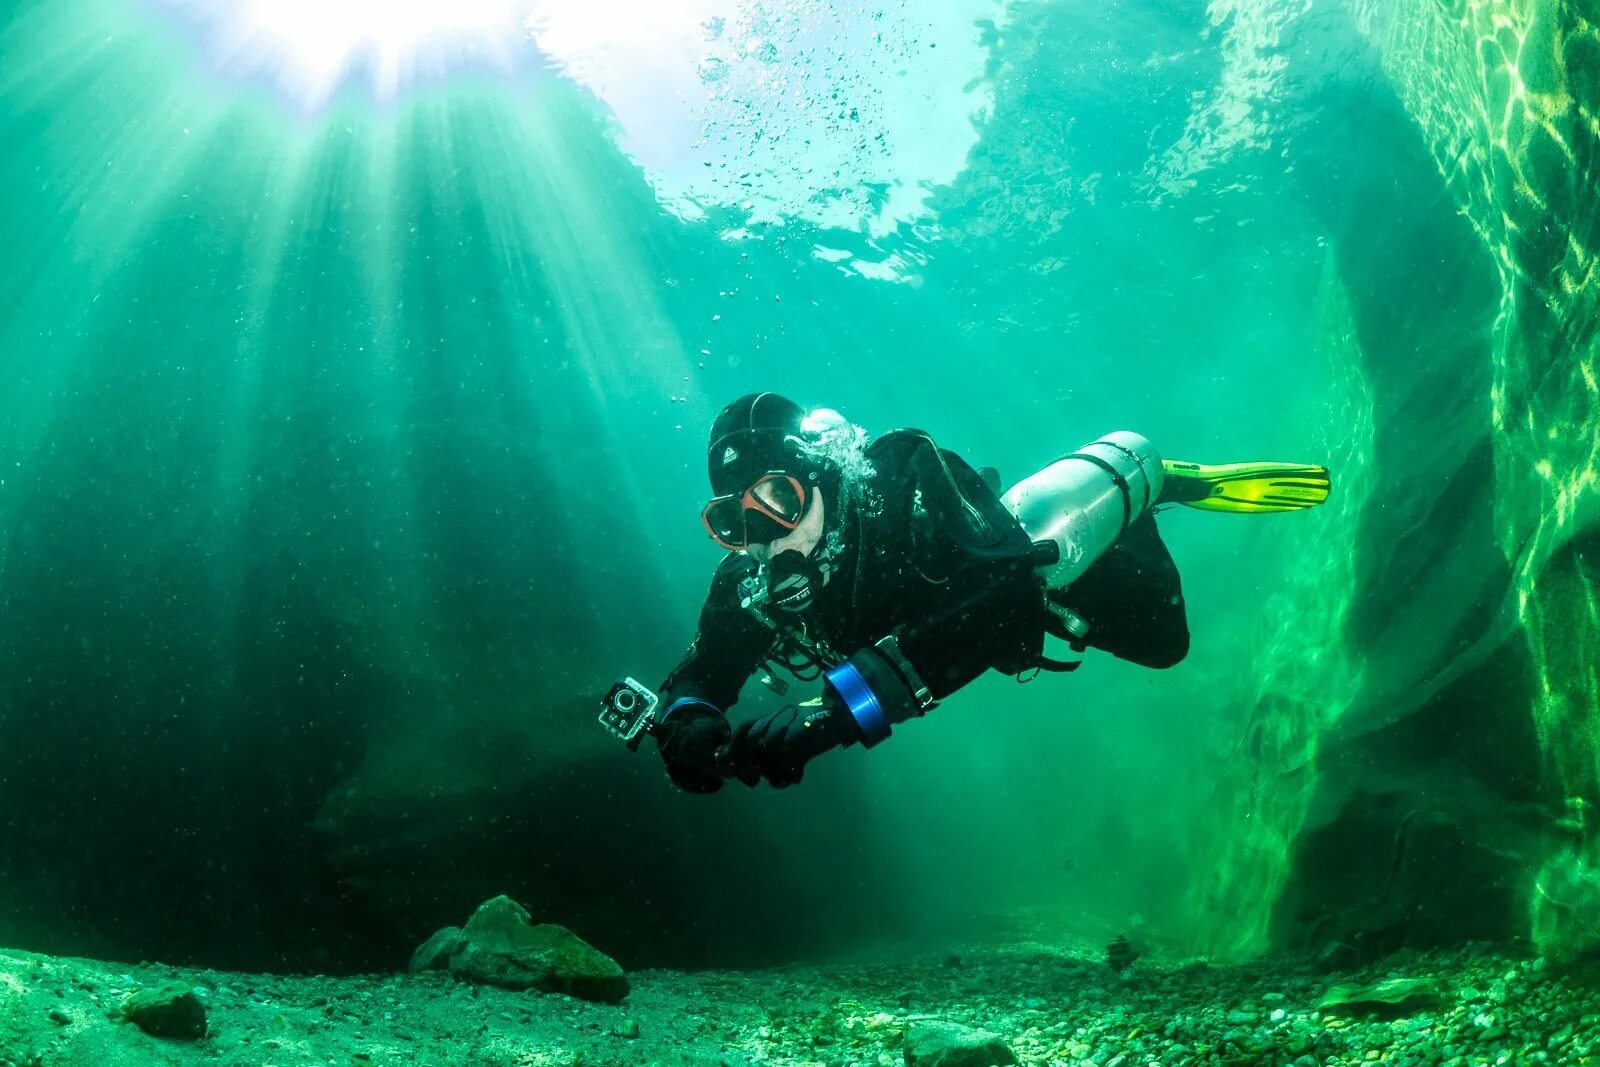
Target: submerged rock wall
1305,675
1451,794
1507,96
1419,759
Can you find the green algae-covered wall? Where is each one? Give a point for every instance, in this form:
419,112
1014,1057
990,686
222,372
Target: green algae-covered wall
1440,782
1514,124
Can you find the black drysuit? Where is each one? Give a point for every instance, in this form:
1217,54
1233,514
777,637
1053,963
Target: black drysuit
933,556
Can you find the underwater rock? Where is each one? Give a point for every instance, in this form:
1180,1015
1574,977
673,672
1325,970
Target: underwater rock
1338,956
1120,954
434,954
172,1010
500,945
1391,997
1566,911
953,1045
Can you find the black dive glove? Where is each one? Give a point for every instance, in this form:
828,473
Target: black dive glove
779,746
689,740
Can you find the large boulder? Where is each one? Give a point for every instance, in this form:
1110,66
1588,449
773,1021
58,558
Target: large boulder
501,945
953,1045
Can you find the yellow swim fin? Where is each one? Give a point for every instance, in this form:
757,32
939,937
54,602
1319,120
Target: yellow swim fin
1244,488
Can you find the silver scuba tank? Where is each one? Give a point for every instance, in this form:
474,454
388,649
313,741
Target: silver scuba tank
1084,501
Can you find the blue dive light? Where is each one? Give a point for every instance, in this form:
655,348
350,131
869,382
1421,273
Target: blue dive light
862,703
880,689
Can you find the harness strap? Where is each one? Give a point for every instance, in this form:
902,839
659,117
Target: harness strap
1138,465
1116,479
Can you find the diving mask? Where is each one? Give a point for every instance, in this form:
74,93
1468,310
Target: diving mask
772,506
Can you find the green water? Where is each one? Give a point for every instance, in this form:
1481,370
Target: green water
352,431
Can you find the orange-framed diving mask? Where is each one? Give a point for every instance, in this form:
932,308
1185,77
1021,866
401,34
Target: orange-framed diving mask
773,505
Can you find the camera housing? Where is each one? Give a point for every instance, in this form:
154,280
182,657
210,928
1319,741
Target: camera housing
629,712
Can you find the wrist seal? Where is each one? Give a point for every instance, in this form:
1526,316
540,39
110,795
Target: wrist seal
688,705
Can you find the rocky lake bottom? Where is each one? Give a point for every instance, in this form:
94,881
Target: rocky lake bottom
1028,1003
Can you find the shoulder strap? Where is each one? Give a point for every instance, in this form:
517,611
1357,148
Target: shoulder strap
980,524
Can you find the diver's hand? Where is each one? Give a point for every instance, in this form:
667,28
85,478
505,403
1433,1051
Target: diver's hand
690,741
779,746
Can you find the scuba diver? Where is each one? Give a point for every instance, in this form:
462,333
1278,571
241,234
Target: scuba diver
897,574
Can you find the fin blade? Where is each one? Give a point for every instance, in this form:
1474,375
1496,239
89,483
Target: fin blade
1246,488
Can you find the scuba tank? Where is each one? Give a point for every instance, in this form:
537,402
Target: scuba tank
1082,502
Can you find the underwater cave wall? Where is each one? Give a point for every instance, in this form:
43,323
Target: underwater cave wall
1466,814
1427,773
1507,97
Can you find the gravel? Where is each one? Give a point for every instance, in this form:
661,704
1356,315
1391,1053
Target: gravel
1051,1005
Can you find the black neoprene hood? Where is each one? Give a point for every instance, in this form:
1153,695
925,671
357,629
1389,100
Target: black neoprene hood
749,438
